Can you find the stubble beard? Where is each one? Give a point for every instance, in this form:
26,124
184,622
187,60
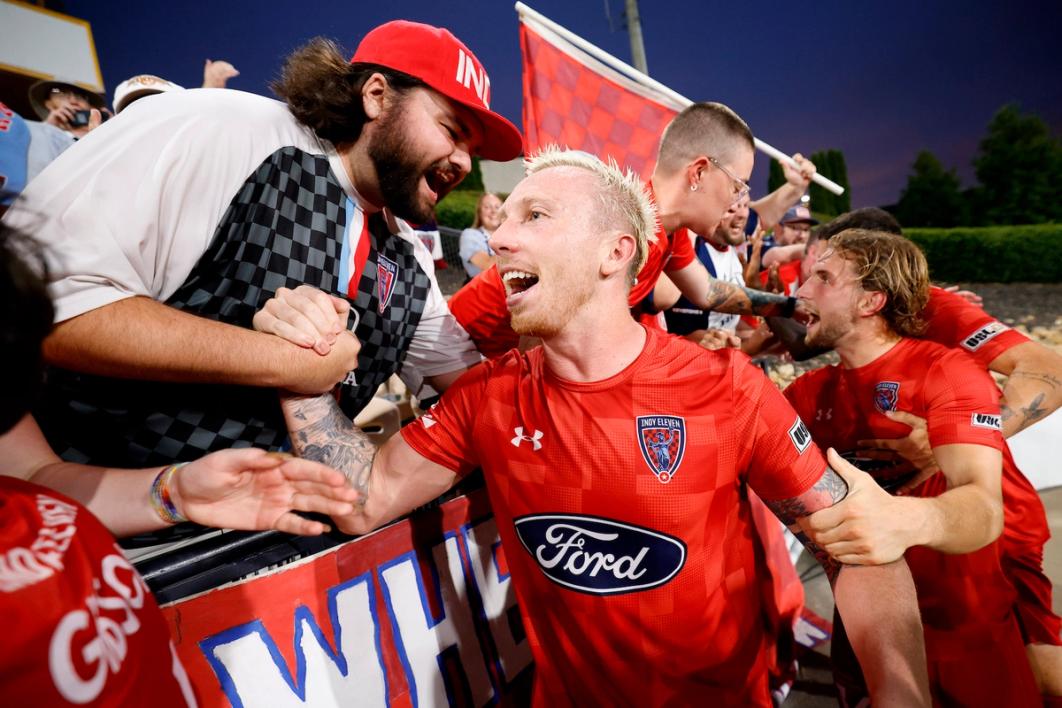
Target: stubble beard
553,314
397,169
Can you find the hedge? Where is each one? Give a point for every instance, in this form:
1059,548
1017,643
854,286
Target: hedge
457,209
992,254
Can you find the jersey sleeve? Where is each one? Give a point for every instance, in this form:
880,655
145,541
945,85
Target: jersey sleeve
444,434
783,462
955,322
439,345
962,403
480,309
681,252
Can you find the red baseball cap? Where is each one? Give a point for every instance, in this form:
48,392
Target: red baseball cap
439,59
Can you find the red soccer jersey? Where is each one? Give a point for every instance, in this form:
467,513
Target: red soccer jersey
622,509
961,405
955,322
82,627
480,305
788,274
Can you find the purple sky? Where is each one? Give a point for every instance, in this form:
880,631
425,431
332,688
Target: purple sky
879,81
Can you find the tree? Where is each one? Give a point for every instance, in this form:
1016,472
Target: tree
932,196
1019,166
831,164
775,177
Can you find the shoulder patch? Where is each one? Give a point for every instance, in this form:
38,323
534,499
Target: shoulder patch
800,436
974,340
986,420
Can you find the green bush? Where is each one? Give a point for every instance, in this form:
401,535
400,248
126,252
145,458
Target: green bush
457,209
992,254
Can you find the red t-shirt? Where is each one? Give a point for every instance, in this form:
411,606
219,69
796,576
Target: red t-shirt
82,627
961,405
480,305
955,322
622,509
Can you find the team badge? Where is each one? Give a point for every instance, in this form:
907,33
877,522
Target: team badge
886,394
386,273
662,439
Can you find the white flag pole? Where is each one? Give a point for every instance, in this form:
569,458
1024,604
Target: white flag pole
678,99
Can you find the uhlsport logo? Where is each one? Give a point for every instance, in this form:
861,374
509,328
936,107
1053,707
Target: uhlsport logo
886,395
386,272
989,331
662,439
599,556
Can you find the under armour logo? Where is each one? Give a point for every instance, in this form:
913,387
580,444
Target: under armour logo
533,439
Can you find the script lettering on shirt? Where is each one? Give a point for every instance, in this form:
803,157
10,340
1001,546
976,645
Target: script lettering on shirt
95,636
580,561
20,566
599,556
974,341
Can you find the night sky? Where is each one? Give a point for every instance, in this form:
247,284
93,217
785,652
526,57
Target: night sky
879,81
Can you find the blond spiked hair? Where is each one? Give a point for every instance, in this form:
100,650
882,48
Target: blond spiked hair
622,199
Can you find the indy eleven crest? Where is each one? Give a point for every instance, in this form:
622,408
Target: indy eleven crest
662,439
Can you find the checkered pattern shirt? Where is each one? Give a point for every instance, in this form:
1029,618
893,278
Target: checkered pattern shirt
283,228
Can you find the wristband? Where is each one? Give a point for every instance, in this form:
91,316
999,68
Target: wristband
160,496
789,307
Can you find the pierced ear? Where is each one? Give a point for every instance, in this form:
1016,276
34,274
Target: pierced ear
374,96
694,170
621,250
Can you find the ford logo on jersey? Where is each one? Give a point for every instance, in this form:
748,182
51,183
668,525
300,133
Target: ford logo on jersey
599,556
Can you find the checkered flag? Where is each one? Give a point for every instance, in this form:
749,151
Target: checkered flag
573,100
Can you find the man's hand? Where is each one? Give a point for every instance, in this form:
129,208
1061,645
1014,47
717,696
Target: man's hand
799,176
914,448
331,368
304,316
217,73
63,117
715,339
868,527
255,490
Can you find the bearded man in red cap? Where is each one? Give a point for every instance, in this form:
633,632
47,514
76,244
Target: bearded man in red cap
196,207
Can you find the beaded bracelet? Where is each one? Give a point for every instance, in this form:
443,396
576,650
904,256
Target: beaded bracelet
160,496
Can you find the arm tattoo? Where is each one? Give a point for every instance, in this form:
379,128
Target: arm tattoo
1035,410
1042,377
830,489
320,431
735,300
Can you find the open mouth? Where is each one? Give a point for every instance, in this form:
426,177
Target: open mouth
518,282
439,182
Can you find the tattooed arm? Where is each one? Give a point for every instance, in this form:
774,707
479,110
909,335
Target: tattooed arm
710,293
1033,389
877,603
390,481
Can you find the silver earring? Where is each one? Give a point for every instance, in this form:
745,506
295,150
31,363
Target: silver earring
693,188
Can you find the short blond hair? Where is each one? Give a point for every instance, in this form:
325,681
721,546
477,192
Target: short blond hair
622,199
892,265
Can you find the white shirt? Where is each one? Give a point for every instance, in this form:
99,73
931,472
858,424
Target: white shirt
132,206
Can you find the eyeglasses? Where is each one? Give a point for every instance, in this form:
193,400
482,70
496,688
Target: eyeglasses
740,186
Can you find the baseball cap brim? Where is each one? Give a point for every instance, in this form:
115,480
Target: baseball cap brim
501,139
38,94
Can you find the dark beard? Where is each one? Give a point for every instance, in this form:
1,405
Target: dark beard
397,170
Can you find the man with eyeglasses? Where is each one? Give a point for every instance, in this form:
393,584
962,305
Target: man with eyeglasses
706,156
